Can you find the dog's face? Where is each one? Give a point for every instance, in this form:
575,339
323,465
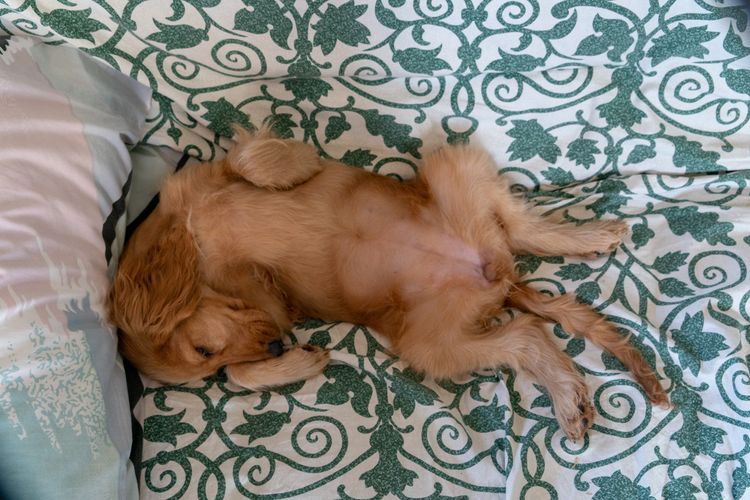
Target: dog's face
174,328
197,349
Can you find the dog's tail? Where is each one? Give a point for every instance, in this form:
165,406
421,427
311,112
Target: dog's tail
268,162
582,321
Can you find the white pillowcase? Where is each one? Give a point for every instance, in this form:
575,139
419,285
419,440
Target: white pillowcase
65,427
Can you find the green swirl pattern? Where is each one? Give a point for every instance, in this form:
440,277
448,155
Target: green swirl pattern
593,109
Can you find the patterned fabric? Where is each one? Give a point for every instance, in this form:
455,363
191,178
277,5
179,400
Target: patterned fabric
64,422
638,111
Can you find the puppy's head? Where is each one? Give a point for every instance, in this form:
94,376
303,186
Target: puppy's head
173,328
215,335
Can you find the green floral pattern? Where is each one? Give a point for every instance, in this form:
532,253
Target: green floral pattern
593,109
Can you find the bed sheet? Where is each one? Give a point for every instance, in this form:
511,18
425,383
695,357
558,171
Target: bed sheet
593,110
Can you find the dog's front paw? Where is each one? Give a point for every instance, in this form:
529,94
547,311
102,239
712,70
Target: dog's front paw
297,363
310,360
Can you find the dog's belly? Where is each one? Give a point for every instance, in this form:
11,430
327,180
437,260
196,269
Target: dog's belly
409,259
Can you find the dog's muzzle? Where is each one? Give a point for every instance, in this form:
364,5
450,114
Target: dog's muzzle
276,348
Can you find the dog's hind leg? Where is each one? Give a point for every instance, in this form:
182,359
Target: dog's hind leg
529,233
271,163
442,338
535,234
582,321
465,183
461,183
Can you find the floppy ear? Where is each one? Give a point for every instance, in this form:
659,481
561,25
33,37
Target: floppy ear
268,162
157,284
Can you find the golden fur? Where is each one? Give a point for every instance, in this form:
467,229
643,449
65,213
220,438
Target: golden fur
238,249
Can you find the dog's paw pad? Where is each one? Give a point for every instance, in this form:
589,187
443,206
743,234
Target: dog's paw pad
310,359
581,420
611,233
603,237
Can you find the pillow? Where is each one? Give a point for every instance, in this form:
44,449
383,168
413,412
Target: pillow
151,165
64,170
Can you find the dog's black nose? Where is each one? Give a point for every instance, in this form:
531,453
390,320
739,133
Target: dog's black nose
276,348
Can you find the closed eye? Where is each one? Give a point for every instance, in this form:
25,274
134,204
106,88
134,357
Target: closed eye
204,352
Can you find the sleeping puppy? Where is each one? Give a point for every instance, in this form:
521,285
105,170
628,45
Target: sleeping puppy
238,249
